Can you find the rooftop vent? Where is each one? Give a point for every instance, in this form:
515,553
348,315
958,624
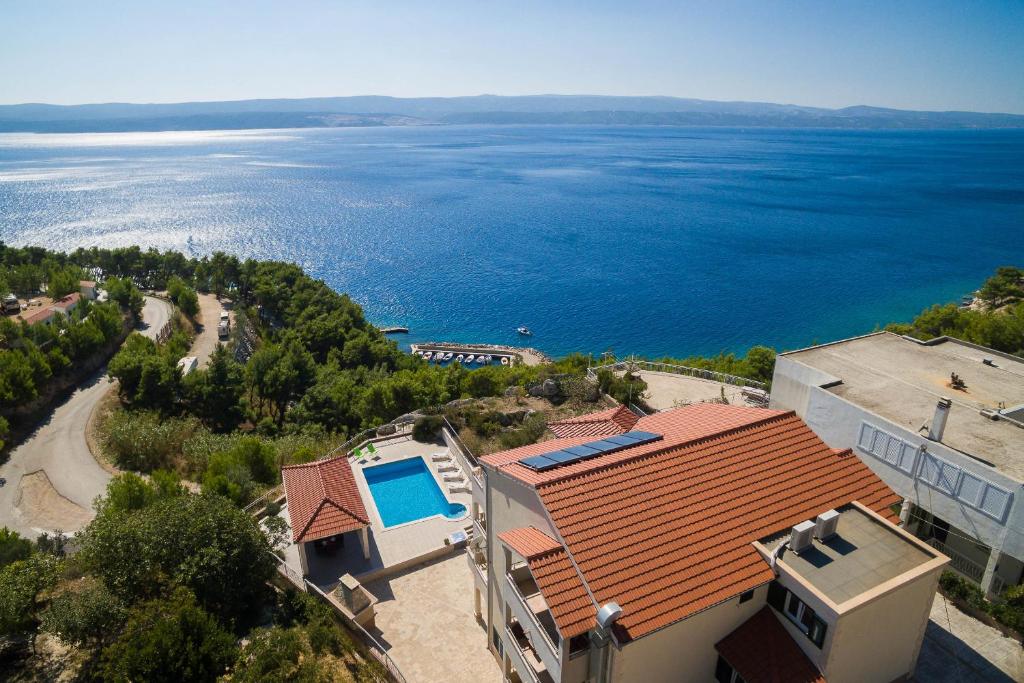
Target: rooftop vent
801,536
608,615
826,524
939,420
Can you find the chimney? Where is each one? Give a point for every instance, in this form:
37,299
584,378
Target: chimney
939,420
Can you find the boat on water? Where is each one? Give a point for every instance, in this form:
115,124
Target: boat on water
469,358
459,358
524,331
427,355
448,356
504,360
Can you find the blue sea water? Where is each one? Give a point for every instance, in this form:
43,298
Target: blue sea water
640,239
405,491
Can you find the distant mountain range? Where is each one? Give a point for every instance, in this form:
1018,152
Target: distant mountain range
482,109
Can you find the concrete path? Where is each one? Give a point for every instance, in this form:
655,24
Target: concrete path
425,620
52,478
206,329
959,649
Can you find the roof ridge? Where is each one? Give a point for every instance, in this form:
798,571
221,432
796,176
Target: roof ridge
659,451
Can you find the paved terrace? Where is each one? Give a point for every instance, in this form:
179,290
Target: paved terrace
390,549
902,380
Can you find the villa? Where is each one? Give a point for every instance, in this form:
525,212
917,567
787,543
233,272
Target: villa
941,422
708,542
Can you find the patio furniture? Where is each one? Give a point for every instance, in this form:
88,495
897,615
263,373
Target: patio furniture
372,451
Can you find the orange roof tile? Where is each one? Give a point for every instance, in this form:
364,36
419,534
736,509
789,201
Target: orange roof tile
665,529
603,423
761,651
529,542
323,499
67,302
38,316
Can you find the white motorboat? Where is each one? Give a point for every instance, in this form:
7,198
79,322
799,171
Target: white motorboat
459,358
448,356
525,331
469,358
504,360
427,355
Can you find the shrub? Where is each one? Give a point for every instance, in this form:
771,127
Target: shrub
145,441
169,640
532,429
13,547
426,427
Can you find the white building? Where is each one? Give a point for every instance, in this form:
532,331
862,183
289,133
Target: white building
955,454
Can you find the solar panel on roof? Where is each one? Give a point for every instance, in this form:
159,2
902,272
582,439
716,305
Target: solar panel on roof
539,463
562,457
621,439
582,451
567,456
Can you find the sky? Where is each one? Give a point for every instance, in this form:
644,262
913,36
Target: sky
909,54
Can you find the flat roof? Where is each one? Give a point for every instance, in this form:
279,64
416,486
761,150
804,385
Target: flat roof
901,380
864,554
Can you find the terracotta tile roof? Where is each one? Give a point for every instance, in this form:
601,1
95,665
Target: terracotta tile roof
38,316
529,542
604,423
67,302
323,499
761,651
666,529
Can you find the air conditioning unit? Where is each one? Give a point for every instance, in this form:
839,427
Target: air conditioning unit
801,536
826,524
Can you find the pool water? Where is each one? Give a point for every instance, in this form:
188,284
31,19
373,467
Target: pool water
405,491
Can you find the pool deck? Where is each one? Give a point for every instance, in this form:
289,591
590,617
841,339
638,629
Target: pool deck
394,549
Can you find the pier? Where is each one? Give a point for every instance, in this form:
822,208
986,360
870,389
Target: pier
515,354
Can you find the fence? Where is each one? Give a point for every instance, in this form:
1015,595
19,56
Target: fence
699,373
960,563
467,460
372,645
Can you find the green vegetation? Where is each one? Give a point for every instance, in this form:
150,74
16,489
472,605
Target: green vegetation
165,585
1000,325
183,296
1008,610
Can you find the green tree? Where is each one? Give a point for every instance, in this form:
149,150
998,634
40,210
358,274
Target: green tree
214,394
170,640
87,614
63,282
201,542
5,429
13,547
183,296
278,655
21,582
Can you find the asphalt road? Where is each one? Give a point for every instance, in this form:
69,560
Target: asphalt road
52,478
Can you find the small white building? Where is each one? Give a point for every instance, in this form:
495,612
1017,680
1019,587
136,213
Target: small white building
88,289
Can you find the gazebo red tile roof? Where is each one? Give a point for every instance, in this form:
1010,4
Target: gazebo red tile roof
323,499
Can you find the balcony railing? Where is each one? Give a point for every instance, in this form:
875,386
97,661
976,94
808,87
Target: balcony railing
533,625
478,563
961,563
522,667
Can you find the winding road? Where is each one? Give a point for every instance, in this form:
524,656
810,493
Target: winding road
52,478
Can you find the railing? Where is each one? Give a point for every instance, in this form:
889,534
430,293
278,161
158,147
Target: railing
553,653
373,646
699,373
969,568
467,460
401,425
265,498
637,410
520,657
480,571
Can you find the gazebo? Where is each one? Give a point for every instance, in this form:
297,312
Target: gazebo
323,505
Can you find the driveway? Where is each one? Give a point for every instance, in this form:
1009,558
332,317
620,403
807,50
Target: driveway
52,478
958,648
206,330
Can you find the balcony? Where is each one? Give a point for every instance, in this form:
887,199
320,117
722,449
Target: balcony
531,613
959,561
480,527
524,657
477,558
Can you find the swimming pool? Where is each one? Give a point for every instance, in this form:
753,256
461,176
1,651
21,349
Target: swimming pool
405,491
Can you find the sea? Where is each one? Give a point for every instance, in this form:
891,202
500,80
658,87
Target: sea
647,240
